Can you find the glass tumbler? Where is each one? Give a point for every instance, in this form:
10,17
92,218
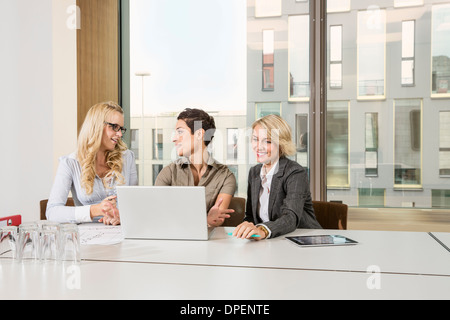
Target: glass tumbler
28,242
69,250
8,240
49,241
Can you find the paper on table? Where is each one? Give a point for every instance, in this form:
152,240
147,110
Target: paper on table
99,234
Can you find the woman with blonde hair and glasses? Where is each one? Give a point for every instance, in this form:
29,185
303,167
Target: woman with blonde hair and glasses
101,162
278,194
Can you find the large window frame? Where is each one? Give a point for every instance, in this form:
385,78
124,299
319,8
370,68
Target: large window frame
318,100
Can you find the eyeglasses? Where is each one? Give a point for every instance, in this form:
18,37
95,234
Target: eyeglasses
116,127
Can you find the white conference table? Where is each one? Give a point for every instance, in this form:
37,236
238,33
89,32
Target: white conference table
129,281
443,237
411,265
391,252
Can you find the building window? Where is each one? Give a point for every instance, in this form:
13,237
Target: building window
235,170
371,154
371,197
408,52
232,147
335,57
267,8
440,199
157,144
338,144
371,44
135,142
338,6
441,50
268,60
156,170
407,3
302,142
299,87
444,143
407,143
265,108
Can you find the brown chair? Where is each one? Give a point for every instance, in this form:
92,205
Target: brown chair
238,205
331,215
43,205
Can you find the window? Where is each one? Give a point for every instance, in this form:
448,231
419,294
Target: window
371,155
441,50
407,144
335,57
371,197
157,144
268,60
408,44
232,144
388,127
407,3
338,6
135,142
265,108
371,53
267,8
302,129
387,75
338,144
299,88
176,63
444,143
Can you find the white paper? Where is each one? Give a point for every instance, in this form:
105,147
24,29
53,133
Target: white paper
99,234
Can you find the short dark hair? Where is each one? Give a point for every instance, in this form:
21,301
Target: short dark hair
191,116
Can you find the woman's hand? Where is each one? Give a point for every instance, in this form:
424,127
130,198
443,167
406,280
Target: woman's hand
247,229
111,219
107,208
217,216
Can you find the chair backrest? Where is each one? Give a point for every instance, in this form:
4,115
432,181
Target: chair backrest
238,205
43,205
331,215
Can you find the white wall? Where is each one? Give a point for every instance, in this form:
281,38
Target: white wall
30,94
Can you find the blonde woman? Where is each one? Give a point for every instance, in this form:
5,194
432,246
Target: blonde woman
101,162
278,195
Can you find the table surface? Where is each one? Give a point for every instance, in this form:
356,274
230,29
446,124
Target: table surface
391,252
407,265
444,238
112,280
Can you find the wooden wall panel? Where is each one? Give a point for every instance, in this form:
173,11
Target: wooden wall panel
97,54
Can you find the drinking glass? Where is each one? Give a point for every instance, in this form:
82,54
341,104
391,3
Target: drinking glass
8,240
28,243
69,243
49,241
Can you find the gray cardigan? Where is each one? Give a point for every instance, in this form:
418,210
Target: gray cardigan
290,203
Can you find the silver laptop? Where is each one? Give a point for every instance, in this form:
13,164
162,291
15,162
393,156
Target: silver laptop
167,213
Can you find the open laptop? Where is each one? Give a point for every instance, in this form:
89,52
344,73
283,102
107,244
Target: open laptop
166,213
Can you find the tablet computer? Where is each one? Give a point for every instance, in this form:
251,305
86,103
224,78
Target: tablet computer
321,240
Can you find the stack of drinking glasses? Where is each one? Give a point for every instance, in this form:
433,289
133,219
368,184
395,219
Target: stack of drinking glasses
43,241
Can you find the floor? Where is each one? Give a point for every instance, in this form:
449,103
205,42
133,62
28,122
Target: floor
393,219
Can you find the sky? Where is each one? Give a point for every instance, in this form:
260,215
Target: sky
195,52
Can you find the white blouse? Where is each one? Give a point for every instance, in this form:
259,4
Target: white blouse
68,178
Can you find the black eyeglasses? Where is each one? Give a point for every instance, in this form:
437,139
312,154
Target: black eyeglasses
116,127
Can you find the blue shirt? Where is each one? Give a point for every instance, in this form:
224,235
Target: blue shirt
68,178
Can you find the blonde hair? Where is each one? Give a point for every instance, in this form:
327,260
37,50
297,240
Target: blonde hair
89,142
278,130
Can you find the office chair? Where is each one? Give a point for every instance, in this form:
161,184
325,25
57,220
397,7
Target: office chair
331,215
238,205
43,205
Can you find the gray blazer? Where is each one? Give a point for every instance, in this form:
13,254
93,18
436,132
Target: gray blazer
290,203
